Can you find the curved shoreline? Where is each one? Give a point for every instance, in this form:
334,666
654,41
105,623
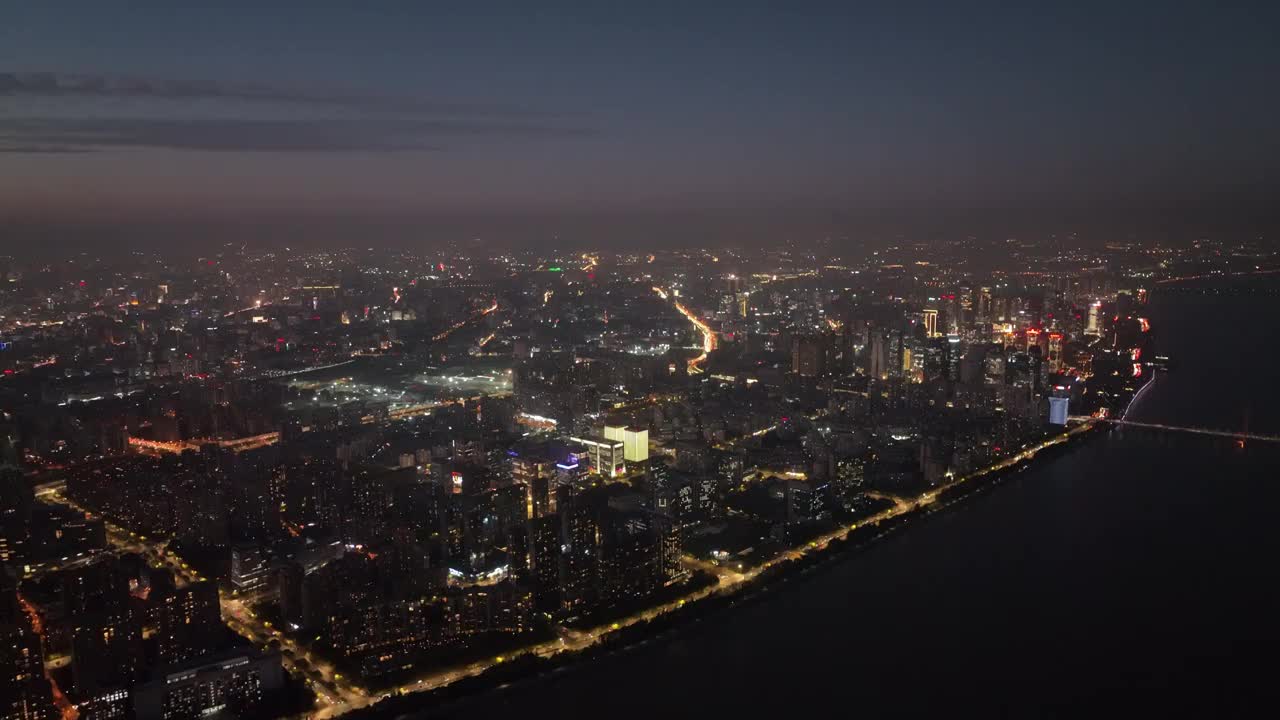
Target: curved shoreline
527,666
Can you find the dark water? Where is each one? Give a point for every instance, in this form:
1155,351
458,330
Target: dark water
1137,574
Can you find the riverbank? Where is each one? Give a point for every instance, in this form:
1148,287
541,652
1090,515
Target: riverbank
524,668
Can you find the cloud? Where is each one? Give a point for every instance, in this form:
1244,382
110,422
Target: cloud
73,85
42,149
366,123
68,135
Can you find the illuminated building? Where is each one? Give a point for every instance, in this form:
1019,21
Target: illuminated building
102,704
249,569
1058,410
1054,356
533,467
1092,328
544,560
730,470
235,683
605,456
106,660
850,476
804,501
937,358
634,439
931,323
189,621
983,309
661,484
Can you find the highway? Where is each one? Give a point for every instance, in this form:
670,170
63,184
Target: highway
708,335
463,323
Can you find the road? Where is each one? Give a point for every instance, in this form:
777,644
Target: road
333,693
66,709
463,323
729,581
708,335
337,696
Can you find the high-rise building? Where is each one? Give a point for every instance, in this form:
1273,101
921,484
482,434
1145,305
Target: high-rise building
604,455
250,571
878,358
544,561
635,441
1058,410
850,476
533,467
106,661
236,683
808,356
983,309
1054,356
931,323
189,622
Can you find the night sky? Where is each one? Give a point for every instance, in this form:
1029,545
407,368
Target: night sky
718,120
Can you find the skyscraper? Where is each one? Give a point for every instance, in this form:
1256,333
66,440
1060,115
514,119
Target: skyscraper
878,359
931,323
635,440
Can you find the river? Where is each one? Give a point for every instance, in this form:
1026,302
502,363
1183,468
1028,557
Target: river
1137,573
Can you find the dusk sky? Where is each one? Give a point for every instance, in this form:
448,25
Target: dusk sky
546,113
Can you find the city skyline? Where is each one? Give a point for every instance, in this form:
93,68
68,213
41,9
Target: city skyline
394,360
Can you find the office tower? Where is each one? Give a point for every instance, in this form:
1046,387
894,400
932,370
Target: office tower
878,357
937,360
534,469
605,456
1054,355
803,501
983,310
250,570
635,441
1058,409
931,323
